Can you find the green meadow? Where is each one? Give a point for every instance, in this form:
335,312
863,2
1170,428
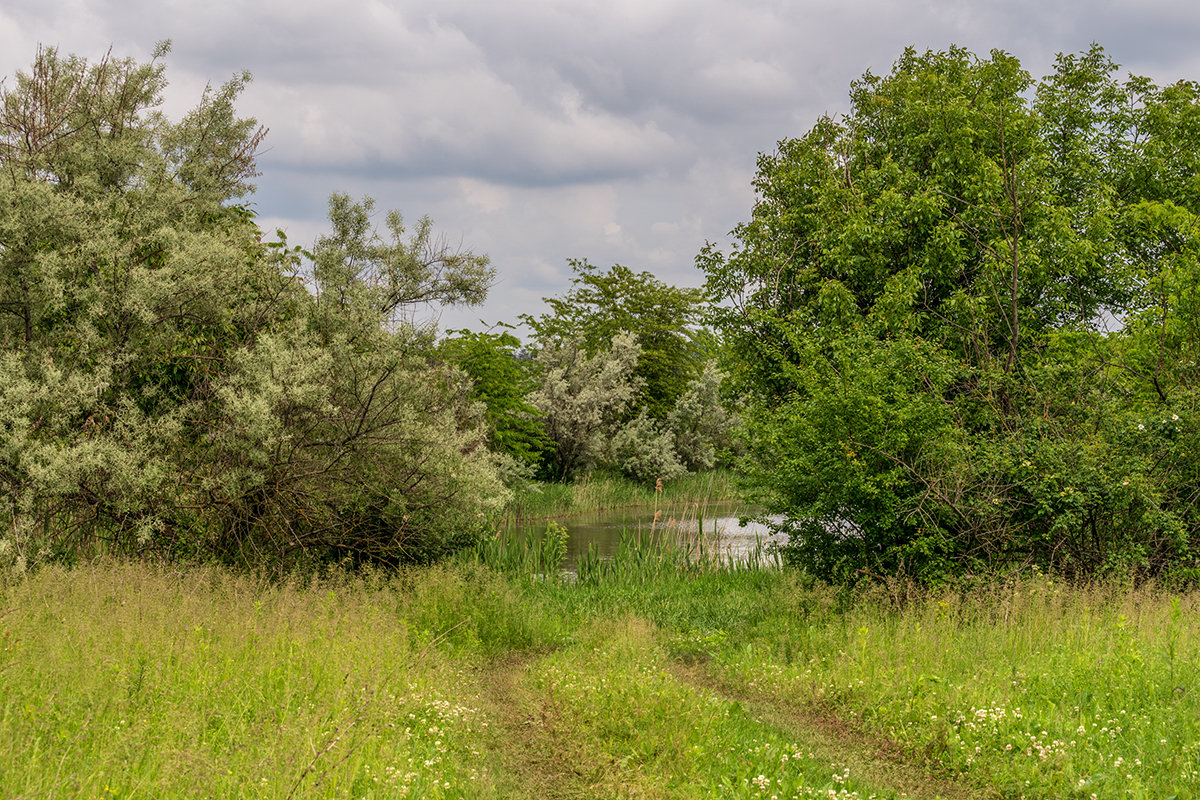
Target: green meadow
656,675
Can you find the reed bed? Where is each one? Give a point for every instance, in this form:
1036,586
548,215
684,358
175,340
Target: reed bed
602,491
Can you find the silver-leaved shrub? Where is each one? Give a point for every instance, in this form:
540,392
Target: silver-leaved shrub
172,383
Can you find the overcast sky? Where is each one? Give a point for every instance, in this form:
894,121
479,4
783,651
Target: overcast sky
622,131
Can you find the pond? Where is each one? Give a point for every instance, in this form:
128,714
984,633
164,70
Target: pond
715,525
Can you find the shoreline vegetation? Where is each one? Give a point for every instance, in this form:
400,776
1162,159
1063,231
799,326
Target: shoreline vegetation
656,677
606,491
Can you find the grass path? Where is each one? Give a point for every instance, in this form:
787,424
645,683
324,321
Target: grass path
544,741
831,738
531,759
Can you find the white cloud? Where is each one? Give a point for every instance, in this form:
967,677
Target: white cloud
487,197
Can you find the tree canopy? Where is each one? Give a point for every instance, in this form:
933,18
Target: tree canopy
664,320
918,309
627,380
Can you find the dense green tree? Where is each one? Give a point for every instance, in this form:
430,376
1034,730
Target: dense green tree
502,377
112,224
376,448
914,313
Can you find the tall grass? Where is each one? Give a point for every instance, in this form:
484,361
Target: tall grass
669,673
515,553
1032,687
124,680
602,491
658,551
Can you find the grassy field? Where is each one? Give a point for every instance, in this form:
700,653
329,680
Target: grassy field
643,679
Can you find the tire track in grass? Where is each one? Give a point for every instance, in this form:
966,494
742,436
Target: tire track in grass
541,749
832,739
539,746
533,753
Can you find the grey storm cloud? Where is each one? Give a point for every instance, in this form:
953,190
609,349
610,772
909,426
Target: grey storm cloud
623,131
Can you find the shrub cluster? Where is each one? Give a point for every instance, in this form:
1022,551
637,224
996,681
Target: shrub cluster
171,383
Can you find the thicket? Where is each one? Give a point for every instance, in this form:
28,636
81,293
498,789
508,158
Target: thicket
172,383
628,378
620,375
964,317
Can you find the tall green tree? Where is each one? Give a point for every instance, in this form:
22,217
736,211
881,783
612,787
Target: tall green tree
503,375
915,310
126,268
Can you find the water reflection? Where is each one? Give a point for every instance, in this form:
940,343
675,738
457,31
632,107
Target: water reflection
716,526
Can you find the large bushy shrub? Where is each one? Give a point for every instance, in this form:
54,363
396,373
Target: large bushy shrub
582,399
169,382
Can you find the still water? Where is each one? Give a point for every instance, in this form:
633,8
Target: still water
716,525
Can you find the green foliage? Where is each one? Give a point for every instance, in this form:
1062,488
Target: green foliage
124,278
358,445
357,271
676,420
644,450
664,321
582,398
915,313
701,424
503,376
167,381
843,448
